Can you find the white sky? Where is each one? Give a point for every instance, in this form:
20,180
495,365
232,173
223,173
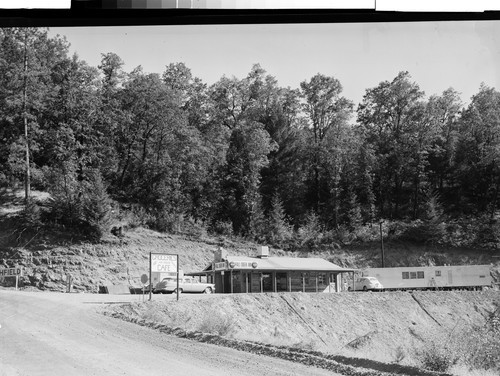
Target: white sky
460,54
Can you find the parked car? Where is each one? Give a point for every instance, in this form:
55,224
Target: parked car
367,283
186,284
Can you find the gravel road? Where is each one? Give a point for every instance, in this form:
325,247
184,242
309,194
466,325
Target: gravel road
64,334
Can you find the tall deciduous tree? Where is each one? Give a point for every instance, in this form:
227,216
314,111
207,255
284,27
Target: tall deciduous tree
145,137
363,173
478,150
249,147
444,112
71,127
328,114
390,116
286,173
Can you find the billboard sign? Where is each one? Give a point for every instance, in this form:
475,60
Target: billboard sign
163,263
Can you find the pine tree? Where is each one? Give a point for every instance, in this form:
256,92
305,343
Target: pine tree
96,206
66,196
310,234
278,230
434,228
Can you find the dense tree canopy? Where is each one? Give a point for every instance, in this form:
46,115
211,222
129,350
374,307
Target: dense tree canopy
243,155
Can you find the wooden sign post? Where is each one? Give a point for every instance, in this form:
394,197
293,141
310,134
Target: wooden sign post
144,280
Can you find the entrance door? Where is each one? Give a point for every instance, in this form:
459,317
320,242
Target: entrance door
254,282
281,282
227,282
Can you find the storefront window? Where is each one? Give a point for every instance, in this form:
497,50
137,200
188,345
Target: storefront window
281,282
267,282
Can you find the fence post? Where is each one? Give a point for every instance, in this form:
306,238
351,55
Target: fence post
69,282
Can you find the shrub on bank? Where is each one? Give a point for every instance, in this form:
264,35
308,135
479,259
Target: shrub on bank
437,356
215,322
476,348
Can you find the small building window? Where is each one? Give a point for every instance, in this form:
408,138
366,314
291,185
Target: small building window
413,275
420,275
406,275
438,273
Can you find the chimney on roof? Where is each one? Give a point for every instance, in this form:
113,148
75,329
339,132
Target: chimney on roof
220,254
263,251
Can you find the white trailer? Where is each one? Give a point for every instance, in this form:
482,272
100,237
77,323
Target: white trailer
432,277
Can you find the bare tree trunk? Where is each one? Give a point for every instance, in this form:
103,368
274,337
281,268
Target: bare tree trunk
416,197
27,180
317,188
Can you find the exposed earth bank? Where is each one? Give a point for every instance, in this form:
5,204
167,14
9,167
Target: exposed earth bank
123,260
385,327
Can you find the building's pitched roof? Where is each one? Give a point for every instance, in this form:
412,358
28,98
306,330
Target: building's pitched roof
283,263
289,263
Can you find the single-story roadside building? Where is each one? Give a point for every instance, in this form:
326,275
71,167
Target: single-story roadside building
246,274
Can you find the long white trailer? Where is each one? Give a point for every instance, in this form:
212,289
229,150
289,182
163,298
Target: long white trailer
432,277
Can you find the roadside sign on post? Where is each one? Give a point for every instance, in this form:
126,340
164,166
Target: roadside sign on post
12,272
144,280
163,263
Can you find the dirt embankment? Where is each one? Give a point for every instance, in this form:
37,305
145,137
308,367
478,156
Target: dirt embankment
384,327
123,260
113,261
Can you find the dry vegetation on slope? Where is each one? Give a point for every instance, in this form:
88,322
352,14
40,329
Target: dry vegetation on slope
392,328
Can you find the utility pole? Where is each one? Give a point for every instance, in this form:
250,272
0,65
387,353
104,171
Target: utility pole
382,244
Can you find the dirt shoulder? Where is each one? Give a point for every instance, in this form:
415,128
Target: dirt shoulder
385,328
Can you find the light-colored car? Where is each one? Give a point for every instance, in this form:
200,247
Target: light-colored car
367,284
186,284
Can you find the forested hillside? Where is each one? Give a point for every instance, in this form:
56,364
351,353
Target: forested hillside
293,167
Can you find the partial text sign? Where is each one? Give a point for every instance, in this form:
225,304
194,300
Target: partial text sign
11,272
